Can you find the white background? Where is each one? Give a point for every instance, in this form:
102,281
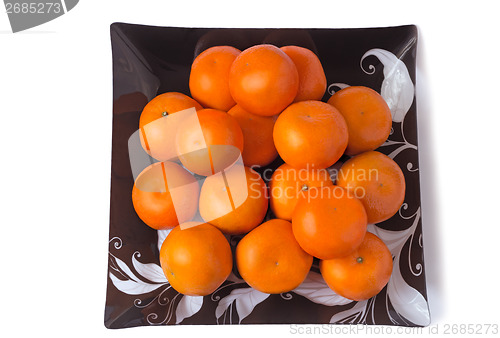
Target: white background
55,147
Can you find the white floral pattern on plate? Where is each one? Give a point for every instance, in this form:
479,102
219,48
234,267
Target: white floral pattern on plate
397,88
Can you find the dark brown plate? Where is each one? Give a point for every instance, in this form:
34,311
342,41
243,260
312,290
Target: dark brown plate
148,61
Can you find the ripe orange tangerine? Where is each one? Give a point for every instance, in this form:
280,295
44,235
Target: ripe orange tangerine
263,80
312,79
288,184
196,258
209,141
310,134
208,80
234,200
164,195
259,149
367,115
363,273
328,222
156,134
270,260
378,182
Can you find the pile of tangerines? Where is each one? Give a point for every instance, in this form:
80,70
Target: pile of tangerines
255,105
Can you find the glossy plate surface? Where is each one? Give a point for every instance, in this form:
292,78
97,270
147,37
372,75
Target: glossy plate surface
152,60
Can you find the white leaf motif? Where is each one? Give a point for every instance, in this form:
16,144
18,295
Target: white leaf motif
125,270
246,299
407,301
188,306
397,88
316,290
393,239
132,287
150,271
162,234
351,315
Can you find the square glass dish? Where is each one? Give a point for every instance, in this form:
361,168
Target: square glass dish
148,61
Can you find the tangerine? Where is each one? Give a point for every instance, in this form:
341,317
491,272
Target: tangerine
259,149
377,181
310,134
270,260
363,273
328,222
164,195
312,79
288,184
235,200
209,141
367,115
156,134
208,80
196,258
263,80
